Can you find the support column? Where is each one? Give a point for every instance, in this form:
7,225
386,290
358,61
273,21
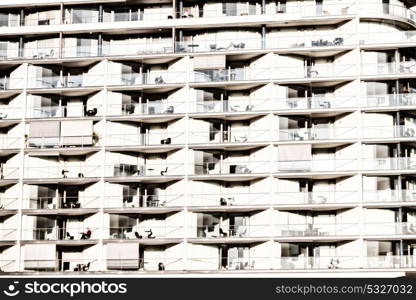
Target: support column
263,36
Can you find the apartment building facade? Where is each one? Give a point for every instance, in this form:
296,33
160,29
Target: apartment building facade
180,136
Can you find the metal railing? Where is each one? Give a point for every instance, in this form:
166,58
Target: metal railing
55,233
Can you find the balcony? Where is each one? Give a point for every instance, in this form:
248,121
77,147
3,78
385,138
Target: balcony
393,68
150,108
144,201
387,100
62,172
63,111
63,202
384,132
390,262
7,172
318,165
317,133
231,231
8,203
229,263
61,265
301,40
230,199
315,230
145,232
317,262
389,228
389,163
231,136
147,169
8,234
146,139
389,196
232,168
60,234
230,74
146,264
316,102
66,81
398,37
231,106
148,78
63,141
10,113
316,198
10,142
317,71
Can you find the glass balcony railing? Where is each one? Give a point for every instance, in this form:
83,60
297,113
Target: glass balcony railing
389,163
230,199
63,141
143,201
316,102
385,100
392,68
8,234
55,233
318,197
10,113
8,202
7,172
231,231
62,171
394,131
317,262
156,107
389,228
150,231
319,165
64,111
315,230
229,263
232,168
61,265
389,196
10,142
232,136
148,169
301,40
317,133
380,10
146,264
7,83
230,74
316,71
146,139
67,81
63,202
231,106
149,78
390,262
